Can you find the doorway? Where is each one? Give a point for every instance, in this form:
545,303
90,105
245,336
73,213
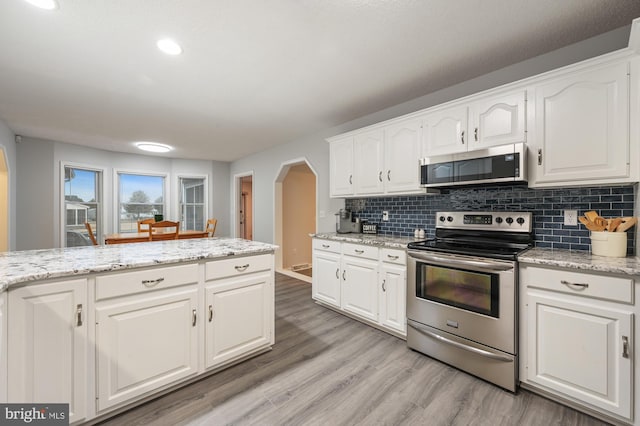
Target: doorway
244,206
295,201
4,203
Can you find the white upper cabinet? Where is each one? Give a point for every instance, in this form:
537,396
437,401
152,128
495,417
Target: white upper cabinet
341,165
582,127
445,131
369,162
497,120
401,156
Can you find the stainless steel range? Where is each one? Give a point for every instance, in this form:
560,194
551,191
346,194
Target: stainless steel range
462,293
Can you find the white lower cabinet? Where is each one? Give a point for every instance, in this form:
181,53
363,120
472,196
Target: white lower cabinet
47,345
362,281
247,303
146,343
576,344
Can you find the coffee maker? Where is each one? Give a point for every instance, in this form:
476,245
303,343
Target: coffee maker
347,223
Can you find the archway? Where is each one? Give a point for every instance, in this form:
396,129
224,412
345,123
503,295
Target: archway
295,201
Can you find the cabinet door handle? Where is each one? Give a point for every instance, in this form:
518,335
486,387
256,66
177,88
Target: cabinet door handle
350,179
210,313
326,246
359,251
389,175
540,157
380,175
338,273
383,289
392,257
475,134
462,137
625,347
343,272
79,315
152,283
241,268
581,286
194,318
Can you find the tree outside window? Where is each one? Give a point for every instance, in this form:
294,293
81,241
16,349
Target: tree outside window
136,195
82,202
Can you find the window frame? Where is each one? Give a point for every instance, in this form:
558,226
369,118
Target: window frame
116,192
102,205
179,207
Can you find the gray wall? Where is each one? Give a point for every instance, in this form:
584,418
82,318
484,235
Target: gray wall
40,186
8,145
266,164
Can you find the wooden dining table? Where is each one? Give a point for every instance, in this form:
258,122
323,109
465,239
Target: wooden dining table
139,237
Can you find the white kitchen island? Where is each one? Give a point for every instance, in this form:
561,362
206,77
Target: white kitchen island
107,327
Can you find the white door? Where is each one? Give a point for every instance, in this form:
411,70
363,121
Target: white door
393,290
145,344
402,155
326,277
369,162
577,349
359,290
497,120
47,347
341,166
582,126
445,132
238,317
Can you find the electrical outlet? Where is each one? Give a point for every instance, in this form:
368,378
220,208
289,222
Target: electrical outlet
571,217
385,216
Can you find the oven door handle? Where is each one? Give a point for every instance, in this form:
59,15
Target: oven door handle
422,329
492,266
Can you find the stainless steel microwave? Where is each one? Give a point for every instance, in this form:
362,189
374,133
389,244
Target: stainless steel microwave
497,164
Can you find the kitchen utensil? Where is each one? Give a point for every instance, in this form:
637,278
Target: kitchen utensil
591,215
591,226
613,224
600,221
627,224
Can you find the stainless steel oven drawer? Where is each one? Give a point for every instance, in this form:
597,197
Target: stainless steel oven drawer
489,364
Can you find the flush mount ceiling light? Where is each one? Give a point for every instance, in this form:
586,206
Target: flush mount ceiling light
169,46
153,147
44,4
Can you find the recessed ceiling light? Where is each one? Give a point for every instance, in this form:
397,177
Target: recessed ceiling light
153,147
44,4
169,46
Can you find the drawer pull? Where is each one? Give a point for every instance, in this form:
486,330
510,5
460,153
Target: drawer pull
581,286
359,251
152,283
380,175
393,257
242,268
343,272
194,317
338,273
79,315
326,246
210,313
625,347
383,281
389,175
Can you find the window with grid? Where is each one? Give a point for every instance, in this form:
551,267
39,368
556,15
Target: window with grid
82,203
193,210
139,197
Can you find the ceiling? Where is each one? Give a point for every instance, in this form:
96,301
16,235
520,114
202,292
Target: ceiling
257,73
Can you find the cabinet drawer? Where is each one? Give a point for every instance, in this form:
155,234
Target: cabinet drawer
598,286
237,266
398,257
357,250
125,283
326,245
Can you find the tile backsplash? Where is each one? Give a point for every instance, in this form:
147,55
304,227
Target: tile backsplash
547,205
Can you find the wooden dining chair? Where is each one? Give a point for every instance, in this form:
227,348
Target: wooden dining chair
211,226
91,236
158,230
146,222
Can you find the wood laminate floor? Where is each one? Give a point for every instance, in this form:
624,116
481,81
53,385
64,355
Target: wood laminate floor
327,369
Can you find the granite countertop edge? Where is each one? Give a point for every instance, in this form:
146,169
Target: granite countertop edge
19,267
379,240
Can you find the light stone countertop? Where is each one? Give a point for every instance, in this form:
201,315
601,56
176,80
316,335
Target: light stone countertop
31,265
389,241
582,260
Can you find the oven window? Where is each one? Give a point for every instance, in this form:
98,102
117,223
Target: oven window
472,291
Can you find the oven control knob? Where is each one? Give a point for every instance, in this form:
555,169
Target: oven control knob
509,220
449,218
441,218
520,220
498,220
